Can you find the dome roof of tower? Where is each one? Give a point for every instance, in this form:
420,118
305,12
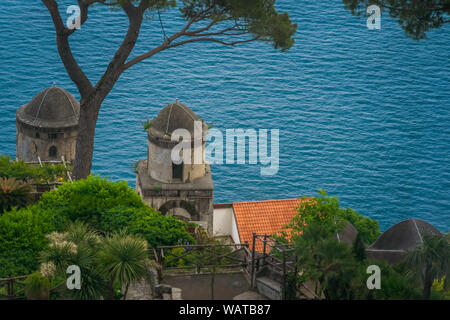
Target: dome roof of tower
52,108
174,116
404,236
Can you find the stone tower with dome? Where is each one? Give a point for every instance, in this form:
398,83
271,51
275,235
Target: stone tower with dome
47,126
181,190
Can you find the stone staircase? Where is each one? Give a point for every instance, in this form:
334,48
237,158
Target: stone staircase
269,283
269,288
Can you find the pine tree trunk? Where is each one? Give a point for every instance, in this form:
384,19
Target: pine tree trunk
85,140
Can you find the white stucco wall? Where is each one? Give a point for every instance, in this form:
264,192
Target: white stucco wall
225,224
234,230
222,221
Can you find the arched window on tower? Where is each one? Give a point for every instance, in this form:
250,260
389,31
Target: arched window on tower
53,152
177,171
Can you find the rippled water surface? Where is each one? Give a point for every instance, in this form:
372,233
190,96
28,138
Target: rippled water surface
363,114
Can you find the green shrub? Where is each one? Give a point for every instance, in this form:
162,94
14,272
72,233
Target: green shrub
37,287
106,205
153,226
87,199
111,206
22,236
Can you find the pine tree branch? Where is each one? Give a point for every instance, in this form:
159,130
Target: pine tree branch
65,52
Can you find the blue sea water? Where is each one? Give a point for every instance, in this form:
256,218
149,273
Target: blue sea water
363,114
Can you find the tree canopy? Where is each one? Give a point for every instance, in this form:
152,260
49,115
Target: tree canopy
416,17
325,213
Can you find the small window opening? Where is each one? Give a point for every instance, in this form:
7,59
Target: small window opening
52,135
177,171
53,152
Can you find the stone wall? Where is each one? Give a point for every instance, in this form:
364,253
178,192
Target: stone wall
34,142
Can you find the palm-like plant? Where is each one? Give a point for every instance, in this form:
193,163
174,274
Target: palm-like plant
77,246
13,193
335,268
122,258
103,261
430,260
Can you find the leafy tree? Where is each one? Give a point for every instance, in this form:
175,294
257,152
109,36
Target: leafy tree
110,206
321,210
19,170
338,270
430,261
416,17
325,261
327,211
340,274
226,22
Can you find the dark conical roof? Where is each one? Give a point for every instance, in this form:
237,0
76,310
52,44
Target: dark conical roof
404,235
393,244
347,235
52,108
174,116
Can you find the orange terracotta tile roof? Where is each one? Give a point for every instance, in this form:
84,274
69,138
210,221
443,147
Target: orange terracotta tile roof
263,217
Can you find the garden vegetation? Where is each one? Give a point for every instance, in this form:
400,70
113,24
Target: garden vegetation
338,271
103,205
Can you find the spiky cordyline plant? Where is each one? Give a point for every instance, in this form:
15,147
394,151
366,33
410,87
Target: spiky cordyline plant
122,258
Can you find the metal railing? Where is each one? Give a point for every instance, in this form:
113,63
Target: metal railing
202,257
286,263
